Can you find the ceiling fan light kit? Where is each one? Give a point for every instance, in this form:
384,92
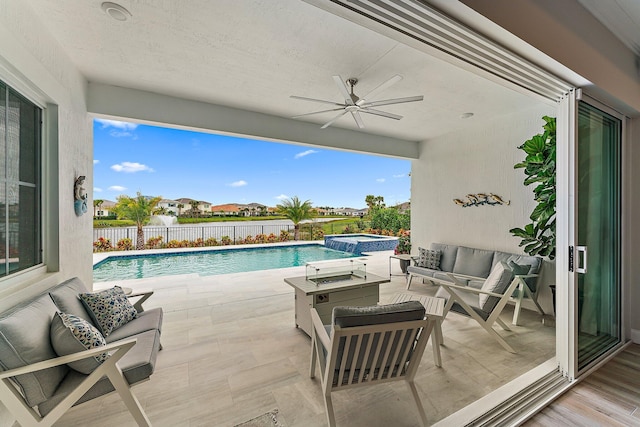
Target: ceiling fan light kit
355,105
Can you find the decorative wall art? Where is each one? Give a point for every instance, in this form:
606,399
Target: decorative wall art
481,199
80,196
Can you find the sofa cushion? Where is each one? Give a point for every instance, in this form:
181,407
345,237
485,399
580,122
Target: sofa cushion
447,255
65,296
148,320
497,282
24,339
428,258
447,278
473,262
109,309
534,262
137,365
71,334
421,270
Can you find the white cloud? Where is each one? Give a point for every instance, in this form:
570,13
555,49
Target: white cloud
131,167
97,190
125,126
399,175
240,183
380,180
304,153
282,197
95,161
117,188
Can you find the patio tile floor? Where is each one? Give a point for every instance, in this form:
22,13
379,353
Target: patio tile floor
232,352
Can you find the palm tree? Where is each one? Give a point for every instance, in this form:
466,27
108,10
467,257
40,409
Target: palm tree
96,205
180,207
137,209
195,211
296,211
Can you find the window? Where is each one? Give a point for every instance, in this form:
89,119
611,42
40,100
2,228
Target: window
20,182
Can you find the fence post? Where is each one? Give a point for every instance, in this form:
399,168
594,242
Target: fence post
167,236
234,234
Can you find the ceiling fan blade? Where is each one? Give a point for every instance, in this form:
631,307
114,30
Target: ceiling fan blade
380,113
316,100
316,112
358,119
392,101
344,91
383,86
330,122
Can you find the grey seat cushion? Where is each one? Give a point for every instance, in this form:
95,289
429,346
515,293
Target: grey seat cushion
137,365
148,320
65,296
473,262
377,314
445,277
467,297
498,281
423,271
24,339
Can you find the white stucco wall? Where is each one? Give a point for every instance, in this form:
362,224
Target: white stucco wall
32,63
477,160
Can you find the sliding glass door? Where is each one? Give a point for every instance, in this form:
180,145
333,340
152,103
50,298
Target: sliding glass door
597,258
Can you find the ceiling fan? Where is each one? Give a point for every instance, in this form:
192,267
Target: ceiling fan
355,105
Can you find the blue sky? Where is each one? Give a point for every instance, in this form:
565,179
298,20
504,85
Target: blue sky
220,169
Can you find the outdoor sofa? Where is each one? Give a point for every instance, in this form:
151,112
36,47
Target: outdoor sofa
39,385
477,264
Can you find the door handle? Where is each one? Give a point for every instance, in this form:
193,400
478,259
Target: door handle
581,261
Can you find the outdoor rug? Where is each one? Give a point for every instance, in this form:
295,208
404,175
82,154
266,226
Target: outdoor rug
270,419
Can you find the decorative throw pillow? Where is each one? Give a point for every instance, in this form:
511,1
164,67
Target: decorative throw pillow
519,269
429,259
109,309
72,334
497,282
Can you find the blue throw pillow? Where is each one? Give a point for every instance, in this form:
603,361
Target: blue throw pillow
109,309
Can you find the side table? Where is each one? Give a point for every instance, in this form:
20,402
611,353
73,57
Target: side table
401,257
434,307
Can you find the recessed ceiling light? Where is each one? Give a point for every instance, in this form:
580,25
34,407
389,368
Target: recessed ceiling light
116,11
466,115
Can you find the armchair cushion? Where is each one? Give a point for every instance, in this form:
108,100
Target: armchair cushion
377,314
109,309
71,334
497,282
66,297
428,258
24,339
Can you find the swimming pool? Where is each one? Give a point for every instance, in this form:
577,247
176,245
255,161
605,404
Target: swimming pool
211,262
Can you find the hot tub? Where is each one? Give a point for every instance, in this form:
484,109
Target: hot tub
359,243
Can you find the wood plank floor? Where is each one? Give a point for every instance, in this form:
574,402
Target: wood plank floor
608,397
232,352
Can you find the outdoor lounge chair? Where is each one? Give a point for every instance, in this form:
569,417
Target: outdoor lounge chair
483,304
369,345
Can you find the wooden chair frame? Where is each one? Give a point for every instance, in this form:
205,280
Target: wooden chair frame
419,332
27,416
454,289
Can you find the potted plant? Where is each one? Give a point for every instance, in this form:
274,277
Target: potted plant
403,247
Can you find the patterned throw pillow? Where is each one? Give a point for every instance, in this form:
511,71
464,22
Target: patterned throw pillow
429,259
109,309
72,334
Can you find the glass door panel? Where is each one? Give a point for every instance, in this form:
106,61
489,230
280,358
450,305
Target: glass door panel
598,232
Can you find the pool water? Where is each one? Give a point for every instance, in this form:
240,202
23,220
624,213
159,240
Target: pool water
212,262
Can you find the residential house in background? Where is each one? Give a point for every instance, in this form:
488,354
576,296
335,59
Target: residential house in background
170,207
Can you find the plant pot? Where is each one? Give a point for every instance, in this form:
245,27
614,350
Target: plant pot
404,263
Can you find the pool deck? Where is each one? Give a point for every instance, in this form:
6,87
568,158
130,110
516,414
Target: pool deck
232,352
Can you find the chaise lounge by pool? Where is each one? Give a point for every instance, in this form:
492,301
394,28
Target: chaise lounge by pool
211,262
359,243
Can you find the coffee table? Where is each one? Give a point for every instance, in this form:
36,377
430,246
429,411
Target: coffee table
351,291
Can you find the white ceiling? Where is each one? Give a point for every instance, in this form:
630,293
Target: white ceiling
622,17
254,54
